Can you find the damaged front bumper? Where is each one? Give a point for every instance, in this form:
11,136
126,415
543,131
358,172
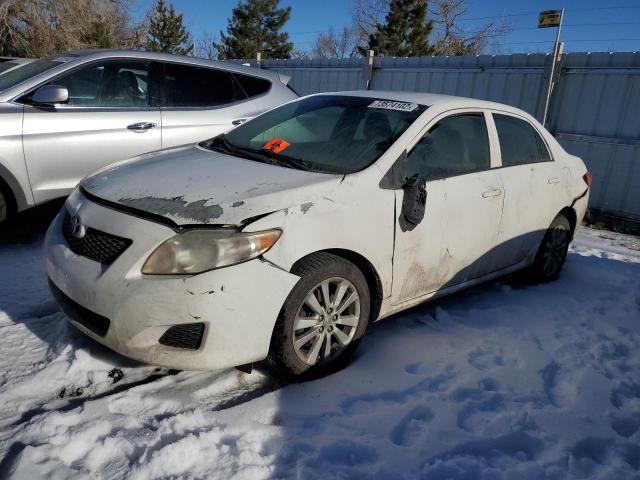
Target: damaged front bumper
130,313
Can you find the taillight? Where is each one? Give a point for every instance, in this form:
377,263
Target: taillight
588,178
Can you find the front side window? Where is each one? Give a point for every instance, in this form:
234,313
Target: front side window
109,84
25,72
456,145
326,133
198,87
520,144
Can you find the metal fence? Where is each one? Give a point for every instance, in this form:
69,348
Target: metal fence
594,112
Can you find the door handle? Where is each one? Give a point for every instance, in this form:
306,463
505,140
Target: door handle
492,193
554,180
239,121
142,126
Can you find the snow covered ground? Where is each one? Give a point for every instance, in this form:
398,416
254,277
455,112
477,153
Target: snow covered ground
502,381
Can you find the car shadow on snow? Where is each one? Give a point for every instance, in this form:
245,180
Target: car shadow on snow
441,370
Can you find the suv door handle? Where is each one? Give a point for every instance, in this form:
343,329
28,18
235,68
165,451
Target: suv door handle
239,121
142,126
492,193
554,180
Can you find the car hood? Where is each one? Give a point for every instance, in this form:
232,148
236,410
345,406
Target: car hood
192,185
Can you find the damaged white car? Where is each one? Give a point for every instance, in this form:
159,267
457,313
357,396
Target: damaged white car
285,238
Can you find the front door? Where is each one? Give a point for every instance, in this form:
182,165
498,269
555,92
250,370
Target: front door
107,118
455,240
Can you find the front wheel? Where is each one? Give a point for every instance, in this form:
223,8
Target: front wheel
552,252
323,319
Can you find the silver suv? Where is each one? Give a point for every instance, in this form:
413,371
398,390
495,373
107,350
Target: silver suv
64,117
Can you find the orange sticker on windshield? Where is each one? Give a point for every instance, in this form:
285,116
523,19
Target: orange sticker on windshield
276,145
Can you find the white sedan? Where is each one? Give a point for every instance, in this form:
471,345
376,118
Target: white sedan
285,238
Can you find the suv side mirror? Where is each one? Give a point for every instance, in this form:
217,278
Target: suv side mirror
50,95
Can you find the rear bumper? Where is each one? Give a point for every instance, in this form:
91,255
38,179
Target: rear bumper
130,312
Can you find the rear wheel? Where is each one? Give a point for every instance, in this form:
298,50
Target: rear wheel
552,252
323,319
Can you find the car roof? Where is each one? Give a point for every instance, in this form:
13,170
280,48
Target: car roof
97,54
428,99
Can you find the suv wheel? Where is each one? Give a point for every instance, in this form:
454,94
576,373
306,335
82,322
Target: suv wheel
4,208
323,319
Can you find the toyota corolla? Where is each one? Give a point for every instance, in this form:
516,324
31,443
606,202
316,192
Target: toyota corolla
286,237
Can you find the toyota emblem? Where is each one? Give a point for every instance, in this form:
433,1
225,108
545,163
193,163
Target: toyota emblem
77,229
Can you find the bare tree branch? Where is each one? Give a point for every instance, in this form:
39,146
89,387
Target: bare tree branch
335,45
453,39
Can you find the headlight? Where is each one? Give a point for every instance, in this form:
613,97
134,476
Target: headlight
197,251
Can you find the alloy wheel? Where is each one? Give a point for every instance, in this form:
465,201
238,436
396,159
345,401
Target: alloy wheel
326,321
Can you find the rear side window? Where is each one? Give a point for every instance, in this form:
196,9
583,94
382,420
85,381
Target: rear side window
456,145
520,143
253,86
188,86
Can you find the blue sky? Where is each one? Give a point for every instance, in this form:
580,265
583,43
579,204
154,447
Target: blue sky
589,25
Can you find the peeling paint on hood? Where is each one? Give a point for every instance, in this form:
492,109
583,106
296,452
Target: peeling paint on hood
193,185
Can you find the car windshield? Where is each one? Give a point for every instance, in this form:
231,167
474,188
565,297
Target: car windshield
18,75
325,133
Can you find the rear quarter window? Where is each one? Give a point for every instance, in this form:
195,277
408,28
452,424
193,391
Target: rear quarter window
253,86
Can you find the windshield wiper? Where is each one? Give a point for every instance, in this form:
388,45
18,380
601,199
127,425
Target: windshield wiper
221,144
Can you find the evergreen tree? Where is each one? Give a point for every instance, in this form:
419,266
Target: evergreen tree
405,32
255,27
167,32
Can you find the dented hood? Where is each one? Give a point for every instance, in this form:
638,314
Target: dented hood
193,185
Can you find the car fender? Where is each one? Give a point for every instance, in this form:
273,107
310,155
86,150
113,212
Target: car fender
356,215
13,169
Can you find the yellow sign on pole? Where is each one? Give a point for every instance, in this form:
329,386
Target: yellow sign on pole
549,18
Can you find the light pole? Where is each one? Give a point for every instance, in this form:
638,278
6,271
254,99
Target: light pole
551,18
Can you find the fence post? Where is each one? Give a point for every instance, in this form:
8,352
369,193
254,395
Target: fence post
368,70
258,59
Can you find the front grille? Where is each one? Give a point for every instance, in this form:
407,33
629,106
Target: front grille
85,317
187,336
96,245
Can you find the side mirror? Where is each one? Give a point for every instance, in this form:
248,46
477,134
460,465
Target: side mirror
50,95
414,200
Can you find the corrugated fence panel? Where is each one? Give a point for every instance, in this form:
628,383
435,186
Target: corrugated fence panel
312,76
594,112
513,79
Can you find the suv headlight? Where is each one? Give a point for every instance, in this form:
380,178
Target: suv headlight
196,251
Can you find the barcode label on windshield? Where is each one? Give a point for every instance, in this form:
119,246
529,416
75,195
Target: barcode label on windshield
391,105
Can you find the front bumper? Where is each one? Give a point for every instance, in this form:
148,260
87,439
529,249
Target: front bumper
238,305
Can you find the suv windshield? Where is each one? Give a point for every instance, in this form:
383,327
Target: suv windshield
25,72
326,133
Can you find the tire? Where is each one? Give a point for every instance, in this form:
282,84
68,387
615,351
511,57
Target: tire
552,252
4,208
304,328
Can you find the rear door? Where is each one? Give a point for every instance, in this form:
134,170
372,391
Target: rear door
455,240
199,103
107,118
533,188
